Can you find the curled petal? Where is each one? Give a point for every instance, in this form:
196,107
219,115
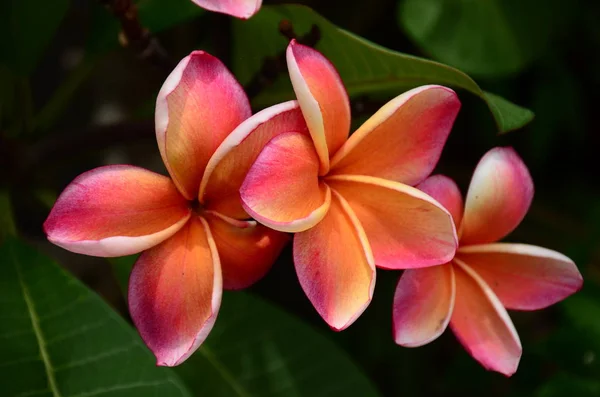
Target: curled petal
423,304
199,104
243,9
524,277
175,293
227,168
116,210
406,228
403,141
482,325
445,191
282,189
335,266
498,199
247,250
322,97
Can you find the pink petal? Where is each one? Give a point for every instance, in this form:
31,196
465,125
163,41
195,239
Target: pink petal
423,304
498,199
282,189
524,277
175,293
335,266
404,139
322,97
229,165
199,104
445,192
482,325
247,250
116,210
406,228
237,8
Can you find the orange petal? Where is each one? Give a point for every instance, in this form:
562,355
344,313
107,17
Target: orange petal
282,189
423,304
445,191
116,210
247,250
175,293
498,199
322,97
243,9
524,277
199,104
482,325
335,265
229,165
406,228
403,141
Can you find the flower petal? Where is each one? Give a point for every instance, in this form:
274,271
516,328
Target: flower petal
247,250
445,192
335,265
116,210
237,8
322,97
175,293
524,277
282,189
199,104
403,141
229,165
406,228
423,304
498,199
482,325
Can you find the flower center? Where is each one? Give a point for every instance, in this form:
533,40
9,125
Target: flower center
196,207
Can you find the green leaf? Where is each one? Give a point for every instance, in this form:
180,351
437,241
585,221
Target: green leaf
26,28
57,338
257,349
7,223
483,37
365,68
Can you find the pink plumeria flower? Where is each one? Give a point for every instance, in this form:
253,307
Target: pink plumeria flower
243,9
350,200
471,291
196,241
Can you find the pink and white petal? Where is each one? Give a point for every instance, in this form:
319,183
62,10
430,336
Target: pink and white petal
423,304
406,228
175,293
199,104
403,141
445,192
335,265
243,9
116,210
482,325
499,196
227,168
524,277
247,250
282,190
322,97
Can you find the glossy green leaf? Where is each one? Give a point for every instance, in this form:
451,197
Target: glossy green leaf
59,339
365,68
482,37
26,28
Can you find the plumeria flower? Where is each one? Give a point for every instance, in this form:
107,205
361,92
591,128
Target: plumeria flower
195,241
471,291
350,200
237,8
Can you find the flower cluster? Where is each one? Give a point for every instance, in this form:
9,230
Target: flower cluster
240,184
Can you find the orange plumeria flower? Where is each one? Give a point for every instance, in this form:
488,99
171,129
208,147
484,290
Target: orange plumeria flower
471,291
350,200
243,9
195,241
